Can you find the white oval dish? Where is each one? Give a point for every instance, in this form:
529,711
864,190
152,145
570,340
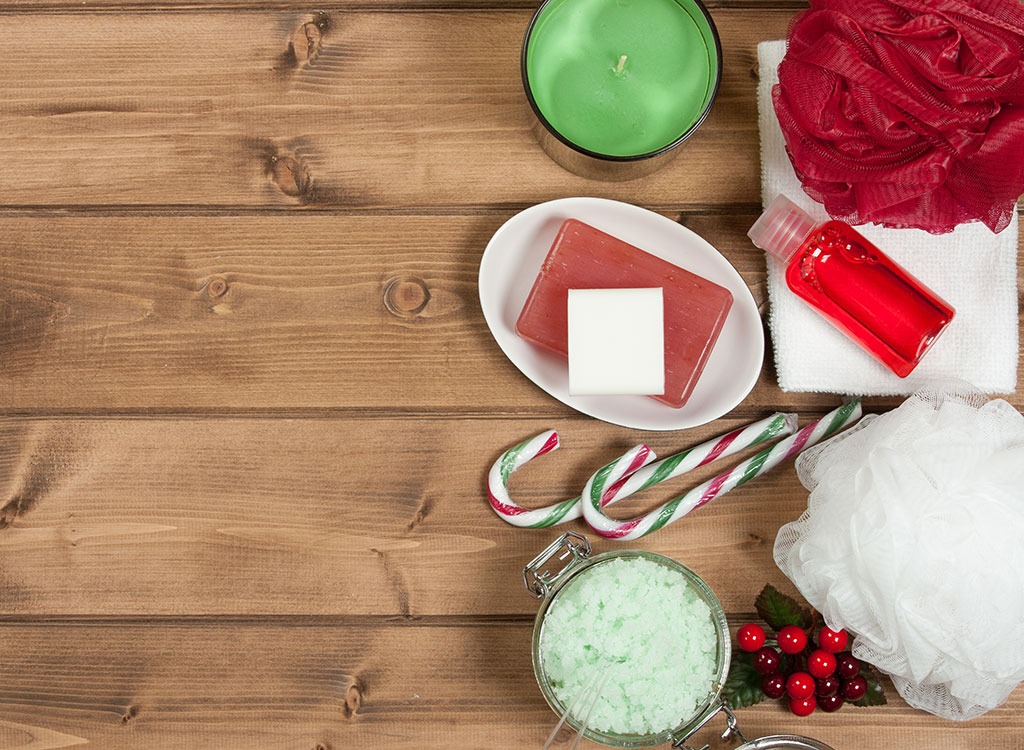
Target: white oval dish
510,265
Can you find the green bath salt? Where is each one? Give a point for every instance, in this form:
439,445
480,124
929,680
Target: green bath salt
633,639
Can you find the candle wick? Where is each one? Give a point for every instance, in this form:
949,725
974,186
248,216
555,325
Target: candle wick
621,66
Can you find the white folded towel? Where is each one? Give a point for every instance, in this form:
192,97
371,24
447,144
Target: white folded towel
974,270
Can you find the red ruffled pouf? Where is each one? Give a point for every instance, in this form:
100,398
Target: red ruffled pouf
907,113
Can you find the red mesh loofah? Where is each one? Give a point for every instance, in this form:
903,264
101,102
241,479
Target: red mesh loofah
907,113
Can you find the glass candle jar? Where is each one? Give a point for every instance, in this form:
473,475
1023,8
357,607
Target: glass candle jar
560,588
617,85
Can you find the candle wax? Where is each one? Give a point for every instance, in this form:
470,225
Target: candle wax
583,257
621,77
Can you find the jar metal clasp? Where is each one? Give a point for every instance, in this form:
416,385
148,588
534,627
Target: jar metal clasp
731,729
538,579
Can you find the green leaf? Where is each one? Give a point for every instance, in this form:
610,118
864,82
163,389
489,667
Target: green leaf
779,610
875,696
743,685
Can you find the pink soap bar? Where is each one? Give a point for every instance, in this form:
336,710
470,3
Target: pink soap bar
583,257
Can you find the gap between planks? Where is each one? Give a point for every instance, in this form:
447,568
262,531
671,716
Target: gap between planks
17,211
269,620
752,412
345,6
297,620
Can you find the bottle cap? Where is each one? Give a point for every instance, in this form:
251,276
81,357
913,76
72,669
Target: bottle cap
781,229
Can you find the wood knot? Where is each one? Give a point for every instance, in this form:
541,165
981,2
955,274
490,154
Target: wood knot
353,699
130,713
13,508
217,287
321,746
406,296
565,735
290,175
304,46
305,43
422,511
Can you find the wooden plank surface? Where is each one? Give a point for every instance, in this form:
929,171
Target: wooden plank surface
163,6
241,312
384,517
130,312
210,109
350,684
248,398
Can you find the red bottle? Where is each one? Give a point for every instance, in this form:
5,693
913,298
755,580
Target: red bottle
858,288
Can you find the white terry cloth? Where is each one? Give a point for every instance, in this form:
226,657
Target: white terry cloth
974,270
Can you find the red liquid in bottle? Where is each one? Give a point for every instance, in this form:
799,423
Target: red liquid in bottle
854,285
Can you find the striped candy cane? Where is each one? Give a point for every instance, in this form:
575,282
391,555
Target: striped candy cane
601,489
517,456
630,476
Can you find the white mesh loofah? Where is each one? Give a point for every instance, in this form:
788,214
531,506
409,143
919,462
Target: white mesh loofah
913,540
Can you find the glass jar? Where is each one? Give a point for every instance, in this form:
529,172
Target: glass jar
572,553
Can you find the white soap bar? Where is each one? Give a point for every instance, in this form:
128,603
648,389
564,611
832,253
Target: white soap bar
616,342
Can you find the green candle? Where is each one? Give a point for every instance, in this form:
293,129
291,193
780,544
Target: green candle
621,78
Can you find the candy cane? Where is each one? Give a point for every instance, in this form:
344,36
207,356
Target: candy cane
599,491
777,425
516,457
634,474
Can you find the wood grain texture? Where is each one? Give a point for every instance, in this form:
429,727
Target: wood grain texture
241,311
36,6
248,399
388,517
350,684
220,109
337,311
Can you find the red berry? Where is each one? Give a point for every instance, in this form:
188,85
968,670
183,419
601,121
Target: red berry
766,661
821,663
831,703
750,637
831,640
828,686
773,685
802,706
800,685
854,690
847,666
792,640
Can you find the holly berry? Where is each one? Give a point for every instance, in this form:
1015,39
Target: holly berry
847,666
831,640
792,640
800,685
828,686
854,690
767,661
802,706
774,686
821,663
750,637
831,703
